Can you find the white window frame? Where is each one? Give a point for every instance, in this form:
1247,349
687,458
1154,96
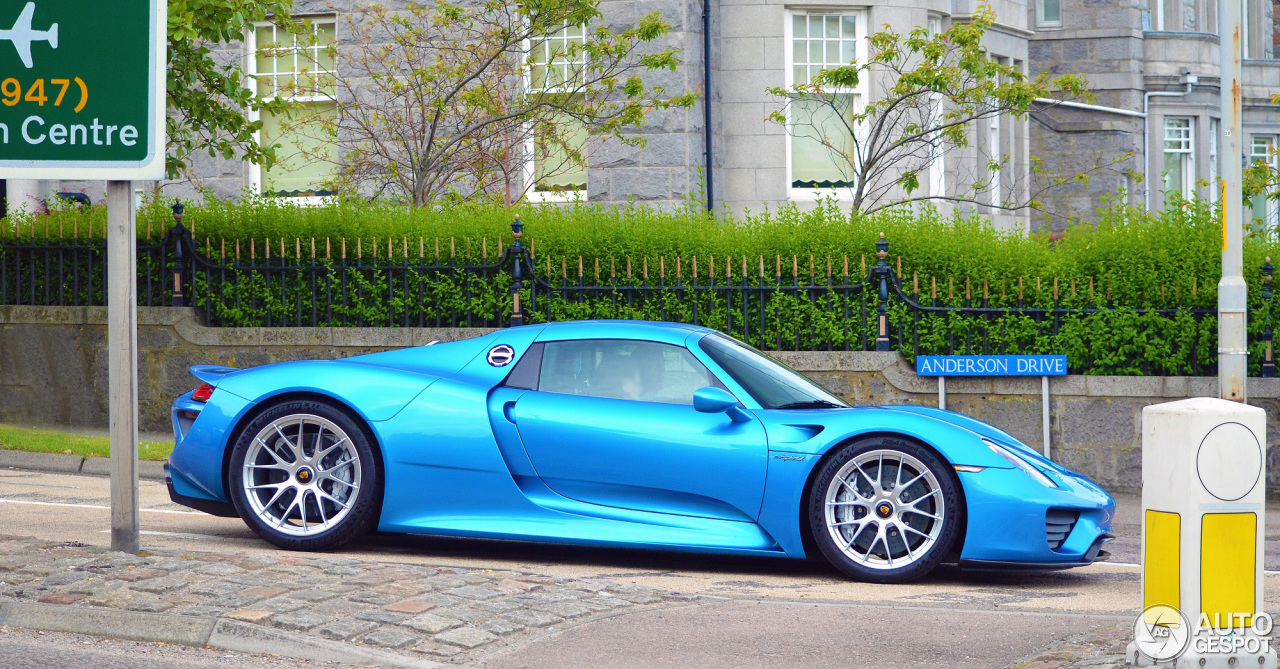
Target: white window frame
251,68
937,152
1158,10
1041,21
995,153
1244,29
860,92
1215,175
1270,217
1188,186
531,192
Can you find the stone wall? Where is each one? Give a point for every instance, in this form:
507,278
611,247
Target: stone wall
53,371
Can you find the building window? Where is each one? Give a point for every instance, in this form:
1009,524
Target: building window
1266,211
1179,158
299,68
822,151
1048,13
558,169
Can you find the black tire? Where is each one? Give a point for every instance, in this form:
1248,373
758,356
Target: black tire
857,516
345,479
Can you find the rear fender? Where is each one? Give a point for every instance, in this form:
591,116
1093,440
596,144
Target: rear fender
375,393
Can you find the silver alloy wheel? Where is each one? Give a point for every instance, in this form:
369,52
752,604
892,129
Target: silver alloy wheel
884,509
301,475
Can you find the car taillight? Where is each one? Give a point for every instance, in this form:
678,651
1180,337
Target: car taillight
203,393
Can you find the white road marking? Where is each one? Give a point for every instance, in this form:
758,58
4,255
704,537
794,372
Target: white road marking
40,485
94,506
1138,566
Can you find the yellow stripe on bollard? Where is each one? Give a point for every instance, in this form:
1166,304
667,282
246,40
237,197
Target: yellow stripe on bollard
1227,554
1162,560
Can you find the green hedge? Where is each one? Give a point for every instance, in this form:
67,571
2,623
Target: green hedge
1138,259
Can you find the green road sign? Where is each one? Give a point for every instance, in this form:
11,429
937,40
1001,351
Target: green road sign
82,89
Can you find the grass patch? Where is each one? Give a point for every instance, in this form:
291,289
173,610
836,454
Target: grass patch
69,443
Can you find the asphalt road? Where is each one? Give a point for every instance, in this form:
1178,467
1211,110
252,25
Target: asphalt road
964,618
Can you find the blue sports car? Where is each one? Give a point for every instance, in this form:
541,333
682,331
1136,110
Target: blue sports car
619,433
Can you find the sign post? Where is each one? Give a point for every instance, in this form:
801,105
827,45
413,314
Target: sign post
122,364
1233,294
82,96
1043,366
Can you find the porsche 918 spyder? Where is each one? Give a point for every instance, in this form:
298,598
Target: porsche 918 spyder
620,433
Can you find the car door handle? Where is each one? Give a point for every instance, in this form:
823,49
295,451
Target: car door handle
509,411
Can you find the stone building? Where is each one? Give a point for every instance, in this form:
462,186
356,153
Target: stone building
1151,63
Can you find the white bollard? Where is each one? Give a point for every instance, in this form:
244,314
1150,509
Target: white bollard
1203,504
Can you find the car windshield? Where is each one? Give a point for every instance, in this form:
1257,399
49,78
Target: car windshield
773,384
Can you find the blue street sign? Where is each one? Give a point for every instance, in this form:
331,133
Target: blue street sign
991,365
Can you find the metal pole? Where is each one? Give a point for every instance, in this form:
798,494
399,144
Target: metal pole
942,393
1044,403
1268,355
122,369
708,128
1232,291
517,274
882,270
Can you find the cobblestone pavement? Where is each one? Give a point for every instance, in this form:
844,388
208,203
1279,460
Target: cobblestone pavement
1101,649
435,613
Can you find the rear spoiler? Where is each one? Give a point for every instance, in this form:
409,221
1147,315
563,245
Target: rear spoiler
211,374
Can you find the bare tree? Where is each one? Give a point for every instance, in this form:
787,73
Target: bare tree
931,91
451,99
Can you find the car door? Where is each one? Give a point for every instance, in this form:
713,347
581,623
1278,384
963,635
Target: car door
611,422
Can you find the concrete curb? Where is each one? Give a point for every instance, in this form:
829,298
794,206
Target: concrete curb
196,631
62,463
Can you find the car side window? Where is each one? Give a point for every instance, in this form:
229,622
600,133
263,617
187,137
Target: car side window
623,369
525,373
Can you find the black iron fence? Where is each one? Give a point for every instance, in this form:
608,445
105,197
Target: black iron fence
773,303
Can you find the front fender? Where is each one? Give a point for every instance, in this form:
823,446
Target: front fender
818,431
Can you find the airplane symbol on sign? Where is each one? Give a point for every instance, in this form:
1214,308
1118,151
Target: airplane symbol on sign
22,35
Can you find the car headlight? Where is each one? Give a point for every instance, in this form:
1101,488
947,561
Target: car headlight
1017,461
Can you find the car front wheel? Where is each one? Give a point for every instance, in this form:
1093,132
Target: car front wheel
303,476
884,509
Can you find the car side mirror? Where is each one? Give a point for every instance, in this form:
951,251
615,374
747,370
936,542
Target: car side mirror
718,400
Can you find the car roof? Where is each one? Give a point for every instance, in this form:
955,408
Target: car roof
671,333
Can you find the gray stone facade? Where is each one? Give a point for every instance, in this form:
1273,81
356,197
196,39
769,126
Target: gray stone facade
1126,51
1117,45
53,371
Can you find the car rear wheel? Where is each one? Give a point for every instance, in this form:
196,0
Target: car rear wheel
884,509
303,476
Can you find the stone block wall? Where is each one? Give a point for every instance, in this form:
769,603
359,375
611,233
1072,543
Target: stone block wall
53,371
